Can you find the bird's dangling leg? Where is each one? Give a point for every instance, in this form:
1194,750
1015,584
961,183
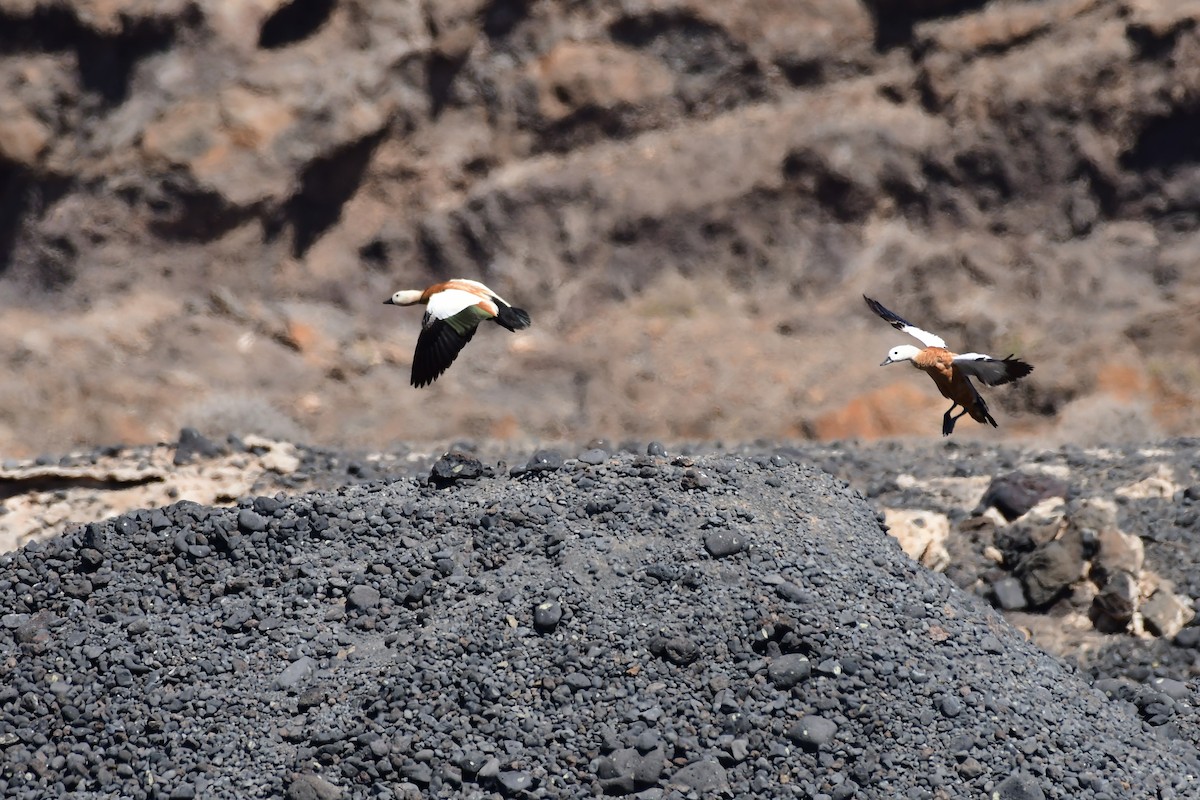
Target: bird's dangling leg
948,421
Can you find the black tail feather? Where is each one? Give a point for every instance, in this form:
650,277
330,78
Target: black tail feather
514,319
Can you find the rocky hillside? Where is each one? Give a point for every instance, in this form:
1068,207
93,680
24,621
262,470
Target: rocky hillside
204,202
611,624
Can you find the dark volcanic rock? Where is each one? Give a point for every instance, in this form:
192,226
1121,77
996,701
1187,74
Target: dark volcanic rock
1049,570
395,637
455,466
192,444
1017,492
813,732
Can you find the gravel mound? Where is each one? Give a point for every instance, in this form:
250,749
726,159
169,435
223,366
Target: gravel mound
728,626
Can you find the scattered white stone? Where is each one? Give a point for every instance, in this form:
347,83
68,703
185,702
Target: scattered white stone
950,492
1158,486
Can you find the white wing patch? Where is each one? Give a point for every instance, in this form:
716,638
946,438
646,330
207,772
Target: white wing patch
924,337
899,323
448,302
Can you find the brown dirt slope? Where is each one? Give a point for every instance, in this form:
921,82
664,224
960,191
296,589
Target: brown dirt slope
203,204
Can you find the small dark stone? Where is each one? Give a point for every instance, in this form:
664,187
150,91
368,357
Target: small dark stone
1019,786
706,778
723,542
418,772
1017,492
647,740
788,670
797,594
191,444
951,706
299,670
90,559
1188,637
250,521
95,536
306,786
1113,608
546,615
593,457
626,770
514,781
695,479
1172,688
813,732
656,449
471,762
544,461
1008,593
455,466
362,596
266,505
1047,571
676,649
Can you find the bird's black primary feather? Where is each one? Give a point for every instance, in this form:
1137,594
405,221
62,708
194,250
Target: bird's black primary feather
437,347
898,322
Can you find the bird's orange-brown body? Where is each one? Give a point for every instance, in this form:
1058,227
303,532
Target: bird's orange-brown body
938,363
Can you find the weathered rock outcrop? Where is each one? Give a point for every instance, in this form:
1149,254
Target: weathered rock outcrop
202,203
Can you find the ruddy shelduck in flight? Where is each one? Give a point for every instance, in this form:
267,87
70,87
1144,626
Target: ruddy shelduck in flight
952,372
453,310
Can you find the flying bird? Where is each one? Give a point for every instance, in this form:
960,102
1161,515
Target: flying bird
453,310
952,372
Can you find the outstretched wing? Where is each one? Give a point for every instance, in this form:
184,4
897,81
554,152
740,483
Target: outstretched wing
992,371
925,337
437,347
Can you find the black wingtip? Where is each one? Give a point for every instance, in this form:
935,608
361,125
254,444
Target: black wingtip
891,317
1014,369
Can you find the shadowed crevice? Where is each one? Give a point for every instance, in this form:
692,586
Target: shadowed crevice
502,16
294,23
106,63
895,19
1166,142
325,186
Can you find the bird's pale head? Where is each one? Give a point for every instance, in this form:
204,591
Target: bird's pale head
904,352
405,297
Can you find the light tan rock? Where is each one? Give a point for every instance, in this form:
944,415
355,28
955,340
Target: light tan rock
44,501
577,75
1162,19
1160,485
1165,613
921,534
225,142
23,137
1118,552
239,22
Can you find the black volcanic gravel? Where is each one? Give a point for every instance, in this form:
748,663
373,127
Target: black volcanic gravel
634,624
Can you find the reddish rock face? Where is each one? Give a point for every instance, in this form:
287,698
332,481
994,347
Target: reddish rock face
205,201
